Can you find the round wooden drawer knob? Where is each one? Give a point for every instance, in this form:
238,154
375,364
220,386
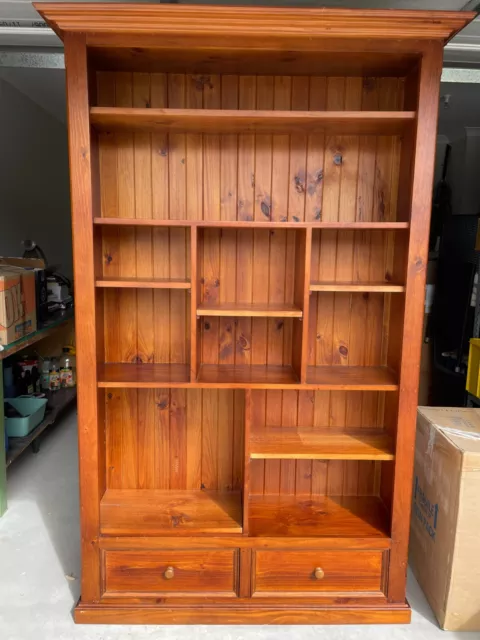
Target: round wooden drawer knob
319,573
169,573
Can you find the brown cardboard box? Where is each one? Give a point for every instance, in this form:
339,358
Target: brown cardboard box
445,526
17,303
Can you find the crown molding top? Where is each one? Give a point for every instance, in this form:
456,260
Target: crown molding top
183,21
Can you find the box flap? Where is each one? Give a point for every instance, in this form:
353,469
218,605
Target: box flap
26,263
461,426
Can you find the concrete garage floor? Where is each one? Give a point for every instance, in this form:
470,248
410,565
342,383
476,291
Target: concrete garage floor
40,565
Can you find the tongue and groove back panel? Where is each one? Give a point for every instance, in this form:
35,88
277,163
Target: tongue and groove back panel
315,177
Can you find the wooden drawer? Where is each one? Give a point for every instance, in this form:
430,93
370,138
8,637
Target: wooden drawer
180,572
294,572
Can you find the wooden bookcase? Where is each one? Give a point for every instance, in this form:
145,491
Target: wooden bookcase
251,193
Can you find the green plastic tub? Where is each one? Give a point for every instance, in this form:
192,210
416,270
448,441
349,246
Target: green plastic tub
32,410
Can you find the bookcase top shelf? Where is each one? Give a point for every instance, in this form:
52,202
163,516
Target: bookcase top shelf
240,121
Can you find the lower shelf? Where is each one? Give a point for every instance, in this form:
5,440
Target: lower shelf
57,402
352,517
143,512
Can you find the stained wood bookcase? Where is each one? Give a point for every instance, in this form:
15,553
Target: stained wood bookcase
251,193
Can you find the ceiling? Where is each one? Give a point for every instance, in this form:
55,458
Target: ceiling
22,28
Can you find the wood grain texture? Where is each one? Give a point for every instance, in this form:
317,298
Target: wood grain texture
143,512
239,121
313,444
353,377
382,287
243,376
342,516
243,542
306,572
123,614
89,334
236,22
413,319
256,309
143,283
170,573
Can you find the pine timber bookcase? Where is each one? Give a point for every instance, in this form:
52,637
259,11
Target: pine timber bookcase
251,193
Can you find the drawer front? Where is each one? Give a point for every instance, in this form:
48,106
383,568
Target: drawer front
294,572
147,573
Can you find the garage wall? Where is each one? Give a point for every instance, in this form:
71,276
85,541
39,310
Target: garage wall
34,179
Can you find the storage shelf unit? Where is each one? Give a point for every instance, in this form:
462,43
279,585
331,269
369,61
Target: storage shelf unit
246,227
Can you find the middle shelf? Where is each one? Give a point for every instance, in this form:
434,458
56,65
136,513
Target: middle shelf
146,375
310,443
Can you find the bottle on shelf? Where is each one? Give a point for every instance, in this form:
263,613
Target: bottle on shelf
45,379
54,375
67,368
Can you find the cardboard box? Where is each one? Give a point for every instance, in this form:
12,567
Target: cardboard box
445,525
40,284
18,315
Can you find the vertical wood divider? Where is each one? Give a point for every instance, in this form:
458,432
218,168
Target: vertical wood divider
427,114
246,472
92,476
303,265
194,285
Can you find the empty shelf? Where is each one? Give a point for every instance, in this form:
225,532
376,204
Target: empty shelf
132,512
321,444
239,376
353,378
143,283
126,375
243,121
261,310
249,224
380,287
339,517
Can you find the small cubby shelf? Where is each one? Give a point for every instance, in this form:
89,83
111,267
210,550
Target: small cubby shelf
310,443
145,375
174,512
143,283
352,378
230,121
250,310
358,287
325,516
